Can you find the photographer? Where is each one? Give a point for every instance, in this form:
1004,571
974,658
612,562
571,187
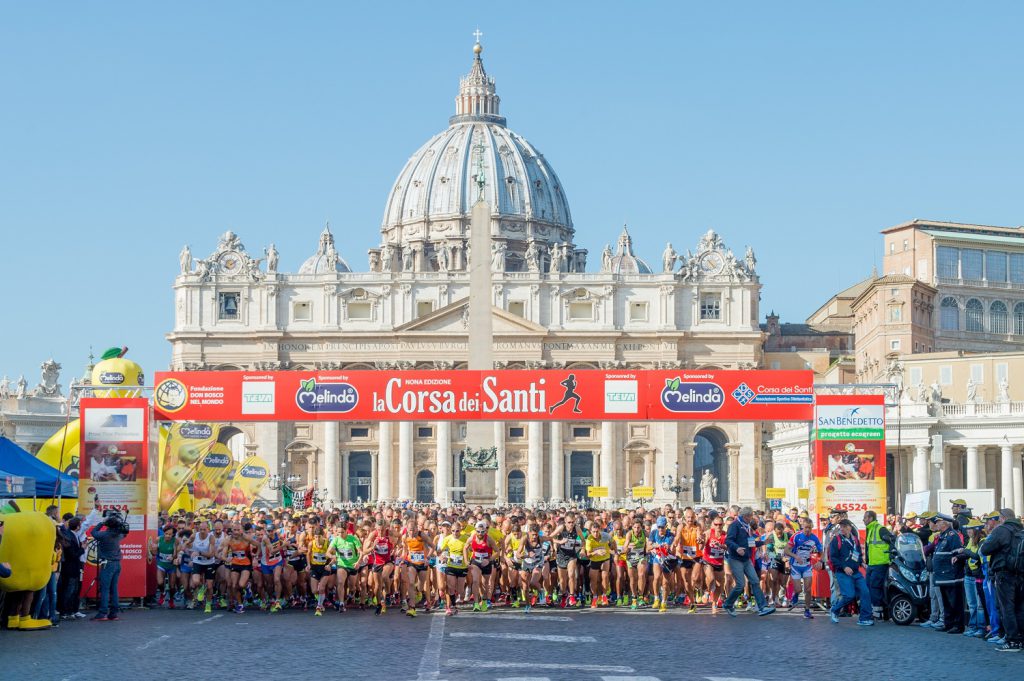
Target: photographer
108,536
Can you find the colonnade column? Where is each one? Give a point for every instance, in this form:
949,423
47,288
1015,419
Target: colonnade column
686,471
734,471
921,468
500,475
535,463
331,461
1006,475
405,490
665,458
609,478
1018,484
384,462
556,462
973,468
343,496
443,463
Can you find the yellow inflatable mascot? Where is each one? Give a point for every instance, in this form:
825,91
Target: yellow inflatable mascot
27,546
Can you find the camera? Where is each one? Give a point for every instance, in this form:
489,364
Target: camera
115,521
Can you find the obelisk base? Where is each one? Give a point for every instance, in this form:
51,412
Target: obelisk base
480,488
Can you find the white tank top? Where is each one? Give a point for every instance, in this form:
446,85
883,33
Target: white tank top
201,546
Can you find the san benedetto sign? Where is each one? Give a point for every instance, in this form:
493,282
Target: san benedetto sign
501,395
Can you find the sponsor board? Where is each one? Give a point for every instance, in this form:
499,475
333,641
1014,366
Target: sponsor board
643,492
126,424
503,395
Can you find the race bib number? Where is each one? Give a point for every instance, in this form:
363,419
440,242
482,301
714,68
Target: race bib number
416,557
751,542
690,551
855,556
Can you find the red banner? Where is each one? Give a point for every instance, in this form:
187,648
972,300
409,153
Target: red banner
505,395
117,471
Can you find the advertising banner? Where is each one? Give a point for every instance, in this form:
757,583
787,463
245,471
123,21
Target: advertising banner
214,470
501,395
849,456
186,446
249,479
117,471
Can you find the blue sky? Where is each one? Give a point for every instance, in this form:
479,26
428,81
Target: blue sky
129,129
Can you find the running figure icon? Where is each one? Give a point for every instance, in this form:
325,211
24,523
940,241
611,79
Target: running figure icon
570,394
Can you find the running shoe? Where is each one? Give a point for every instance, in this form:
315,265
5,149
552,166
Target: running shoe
319,612
593,603
693,609
239,609
383,609
170,604
633,606
411,612
160,601
624,601
201,593
656,604
191,605
379,609
276,607
448,611
604,600
832,615
208,608
663,608
476,607
532,601
572,601
527,608
543,598
807,614
223,603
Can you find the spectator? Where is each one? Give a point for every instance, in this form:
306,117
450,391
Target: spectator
879,539
742,545
1009,583
846,557
69,583
108,538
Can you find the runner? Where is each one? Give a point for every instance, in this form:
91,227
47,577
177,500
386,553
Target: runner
663,562
567,541
204,565
237,551
454,565
378,548
320,579
713,558
597,549
416,547
165,567
346,550
800,550
533,554
271,564
479,553
688,549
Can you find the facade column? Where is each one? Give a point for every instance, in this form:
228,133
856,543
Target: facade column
331,462
534,463
686,471
374,488
608,460
1005,476
734,471
344,477
384,462
556,462
443,463
1018,484
649,469
921,459
973,468
665,459
405,490
500,475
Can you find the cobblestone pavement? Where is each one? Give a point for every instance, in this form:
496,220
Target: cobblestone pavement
570,645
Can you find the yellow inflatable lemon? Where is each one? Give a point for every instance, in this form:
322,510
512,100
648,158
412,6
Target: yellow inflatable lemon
27,544
122,376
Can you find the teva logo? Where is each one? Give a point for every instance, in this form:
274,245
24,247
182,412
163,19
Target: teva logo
216,460
196,431
104,424
323,397
252,471
691,397
111,378
620,396
258,397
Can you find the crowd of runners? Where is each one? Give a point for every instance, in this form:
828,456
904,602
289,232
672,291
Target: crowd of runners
418,559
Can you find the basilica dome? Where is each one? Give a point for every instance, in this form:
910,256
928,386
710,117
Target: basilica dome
326,258
429,205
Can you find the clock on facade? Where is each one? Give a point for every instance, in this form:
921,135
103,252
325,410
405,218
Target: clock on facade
712,262
231,263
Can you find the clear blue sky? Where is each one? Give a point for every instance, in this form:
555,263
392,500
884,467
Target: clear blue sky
128,129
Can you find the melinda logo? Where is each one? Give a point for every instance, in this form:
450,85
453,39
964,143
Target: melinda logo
691,397
217,461
313,397
196,431
111,378
253,472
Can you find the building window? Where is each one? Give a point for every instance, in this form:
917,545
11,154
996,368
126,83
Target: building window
975,320
972,264
424,431
516,432
915,376
978,373
302,311
362,311
949,315
946,375
581,311
711,306
895,313
995,266
517,307
581,432
1018,319
997,317
894,344
357,432
906,245
227,305
1001,372
424,307
638,312
892,247
948,265
1017,268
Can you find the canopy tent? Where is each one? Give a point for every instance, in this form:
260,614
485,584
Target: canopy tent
16,461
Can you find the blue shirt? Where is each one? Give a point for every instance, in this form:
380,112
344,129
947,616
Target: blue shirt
803,545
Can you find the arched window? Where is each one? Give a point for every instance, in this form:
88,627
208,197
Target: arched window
516,487
975,320
1018,319
997,317
710,455
949,319
424,487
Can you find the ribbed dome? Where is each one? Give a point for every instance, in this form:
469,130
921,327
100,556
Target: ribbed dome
429,205
624,261
326,258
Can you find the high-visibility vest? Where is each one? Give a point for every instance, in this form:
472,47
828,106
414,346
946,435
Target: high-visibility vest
878,550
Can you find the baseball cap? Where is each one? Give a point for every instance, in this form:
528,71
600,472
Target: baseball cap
958,502
481,526
991,515
910,516
926,515
974,522
662,521
943,516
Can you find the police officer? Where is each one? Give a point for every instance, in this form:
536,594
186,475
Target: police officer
949,574
928,535
961,514
879,540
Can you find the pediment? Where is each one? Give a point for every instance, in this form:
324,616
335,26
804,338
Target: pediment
453,319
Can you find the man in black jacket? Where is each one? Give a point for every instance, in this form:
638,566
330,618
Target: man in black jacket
69,583
949,574
1009,584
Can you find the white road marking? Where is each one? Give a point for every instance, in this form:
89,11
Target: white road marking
490,664
729,678
630,678
155,640
497,616
430,662
522,678
213,617
525,637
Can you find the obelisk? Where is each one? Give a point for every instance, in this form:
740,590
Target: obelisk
480,484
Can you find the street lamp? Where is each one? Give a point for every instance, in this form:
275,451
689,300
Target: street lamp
676,484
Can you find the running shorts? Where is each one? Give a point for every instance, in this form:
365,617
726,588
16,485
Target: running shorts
318,571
